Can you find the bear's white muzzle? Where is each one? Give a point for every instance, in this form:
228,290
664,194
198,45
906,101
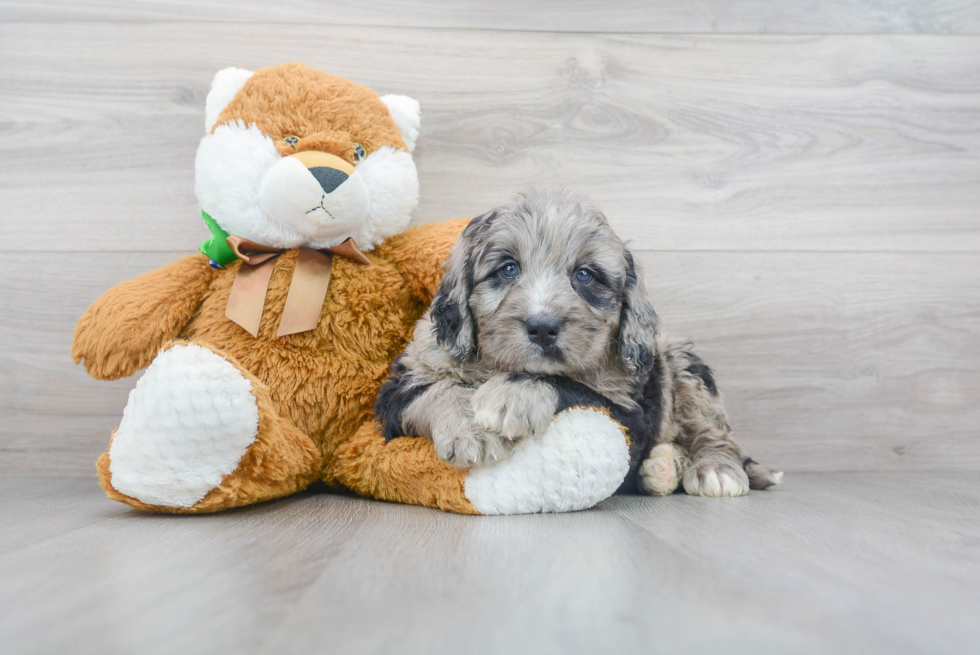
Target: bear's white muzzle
317,194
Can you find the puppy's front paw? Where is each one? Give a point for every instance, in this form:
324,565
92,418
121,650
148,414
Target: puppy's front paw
661,471
716,477
468,445
514,409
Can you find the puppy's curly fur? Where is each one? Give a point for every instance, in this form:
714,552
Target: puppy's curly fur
542,307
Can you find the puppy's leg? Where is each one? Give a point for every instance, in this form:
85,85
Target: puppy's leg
718,467
443,412
514,406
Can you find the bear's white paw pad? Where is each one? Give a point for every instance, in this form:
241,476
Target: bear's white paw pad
716,478
577,462
658,472
187,424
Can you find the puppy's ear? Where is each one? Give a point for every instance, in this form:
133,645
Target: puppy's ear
450,310
638,323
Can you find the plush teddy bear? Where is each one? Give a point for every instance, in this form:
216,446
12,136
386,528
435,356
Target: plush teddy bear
264,352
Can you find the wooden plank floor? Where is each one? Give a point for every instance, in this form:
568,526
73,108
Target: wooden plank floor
827,563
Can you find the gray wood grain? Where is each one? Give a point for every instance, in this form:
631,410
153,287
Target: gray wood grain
654,16
742,143
828,361
826,563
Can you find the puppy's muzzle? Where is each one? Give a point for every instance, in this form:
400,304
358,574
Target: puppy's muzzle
317,194
543,331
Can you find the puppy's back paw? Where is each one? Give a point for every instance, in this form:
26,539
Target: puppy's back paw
716,477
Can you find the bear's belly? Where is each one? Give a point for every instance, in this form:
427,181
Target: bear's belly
324,380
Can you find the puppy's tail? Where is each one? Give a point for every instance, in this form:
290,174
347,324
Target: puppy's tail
760,477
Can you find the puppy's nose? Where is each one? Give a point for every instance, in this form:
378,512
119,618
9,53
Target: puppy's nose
543,330
330,171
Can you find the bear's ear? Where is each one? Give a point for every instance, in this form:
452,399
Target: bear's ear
224,88
407,115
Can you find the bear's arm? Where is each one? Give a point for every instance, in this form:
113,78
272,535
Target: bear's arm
124,329
419,252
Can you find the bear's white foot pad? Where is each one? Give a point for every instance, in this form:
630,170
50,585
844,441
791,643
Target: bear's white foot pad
187,424
581,459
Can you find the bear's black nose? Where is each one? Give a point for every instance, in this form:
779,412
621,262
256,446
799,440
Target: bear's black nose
329,178
543,330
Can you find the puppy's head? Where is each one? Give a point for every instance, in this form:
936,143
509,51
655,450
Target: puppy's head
543,285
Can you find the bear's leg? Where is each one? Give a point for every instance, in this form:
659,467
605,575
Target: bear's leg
581,459
200,434
403,470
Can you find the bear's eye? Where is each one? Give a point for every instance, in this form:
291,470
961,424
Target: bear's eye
359,152
292,140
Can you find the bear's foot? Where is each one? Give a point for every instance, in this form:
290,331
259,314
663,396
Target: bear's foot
186,426
581,459
200,434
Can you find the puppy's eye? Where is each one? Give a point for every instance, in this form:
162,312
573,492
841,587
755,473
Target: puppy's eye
510,270
359,153
292,140
583,276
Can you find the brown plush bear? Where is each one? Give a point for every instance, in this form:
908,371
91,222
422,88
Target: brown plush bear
304,165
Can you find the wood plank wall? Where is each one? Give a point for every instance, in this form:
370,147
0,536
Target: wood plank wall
801,182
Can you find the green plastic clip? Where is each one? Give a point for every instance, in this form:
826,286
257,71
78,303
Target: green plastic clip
216,247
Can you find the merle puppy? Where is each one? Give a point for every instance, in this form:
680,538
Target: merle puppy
542,307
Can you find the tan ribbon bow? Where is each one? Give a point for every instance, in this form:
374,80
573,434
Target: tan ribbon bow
307,289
